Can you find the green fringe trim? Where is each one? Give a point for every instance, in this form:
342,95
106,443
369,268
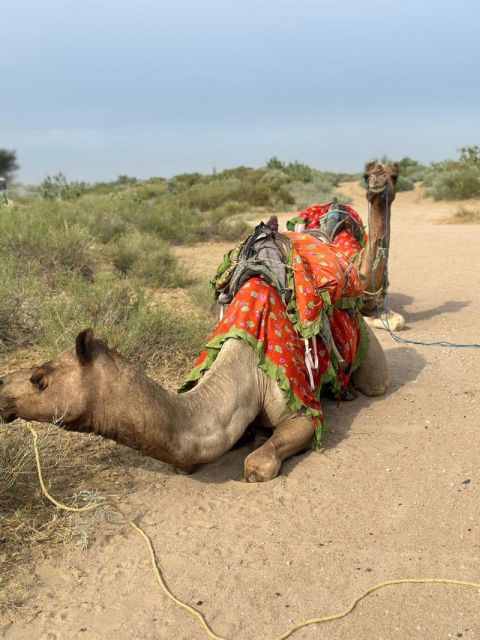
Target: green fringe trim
349,302
297,220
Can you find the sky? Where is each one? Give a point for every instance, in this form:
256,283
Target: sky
101,88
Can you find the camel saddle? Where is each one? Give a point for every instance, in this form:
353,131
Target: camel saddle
264,253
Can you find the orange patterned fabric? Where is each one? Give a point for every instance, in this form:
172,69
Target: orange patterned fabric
321,282
345,241
322,277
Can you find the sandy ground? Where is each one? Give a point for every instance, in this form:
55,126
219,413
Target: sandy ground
395,494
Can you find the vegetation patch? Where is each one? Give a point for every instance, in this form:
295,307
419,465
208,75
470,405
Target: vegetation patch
464,215
29,524
455,179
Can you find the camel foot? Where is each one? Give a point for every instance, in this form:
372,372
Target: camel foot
261,465
395,321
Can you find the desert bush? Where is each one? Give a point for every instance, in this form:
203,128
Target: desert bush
455,179
58,188
404,184
321,190
120,312
22,293
149,258
44,237
451,180
470,155
296,171
307,186
465,215
107,226
411,171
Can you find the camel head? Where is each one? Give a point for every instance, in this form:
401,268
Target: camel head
62,390
381,180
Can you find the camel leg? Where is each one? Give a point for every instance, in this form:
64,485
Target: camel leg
372,377
260,437
289,437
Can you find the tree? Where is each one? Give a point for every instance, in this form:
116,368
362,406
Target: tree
470,155
8,163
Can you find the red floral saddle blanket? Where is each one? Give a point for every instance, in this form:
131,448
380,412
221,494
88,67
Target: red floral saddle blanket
351,236
309,338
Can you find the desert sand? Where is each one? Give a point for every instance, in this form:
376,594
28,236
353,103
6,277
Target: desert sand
394,494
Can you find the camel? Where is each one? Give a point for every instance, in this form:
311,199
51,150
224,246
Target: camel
91,388
381,182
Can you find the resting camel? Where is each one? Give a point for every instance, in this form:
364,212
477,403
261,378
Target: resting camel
91,388
381,180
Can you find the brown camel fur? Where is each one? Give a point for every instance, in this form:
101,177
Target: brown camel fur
93,389
381,180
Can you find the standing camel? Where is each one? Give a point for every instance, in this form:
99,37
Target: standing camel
381,180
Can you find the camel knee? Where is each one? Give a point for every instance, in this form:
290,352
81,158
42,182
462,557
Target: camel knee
378,390
370,385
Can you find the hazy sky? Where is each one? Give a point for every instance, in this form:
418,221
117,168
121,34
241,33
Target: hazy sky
100,88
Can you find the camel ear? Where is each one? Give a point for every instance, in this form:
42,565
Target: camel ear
85,345
394,171
369,167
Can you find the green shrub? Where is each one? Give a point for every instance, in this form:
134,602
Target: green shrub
404,184
320,191
119,312
149,258
58,188
46,238
22,295
411,171
452,180
470,155
294,170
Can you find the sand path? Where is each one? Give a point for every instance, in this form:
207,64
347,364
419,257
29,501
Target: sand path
395,494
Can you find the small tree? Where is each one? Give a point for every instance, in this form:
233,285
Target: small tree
470,155
8,163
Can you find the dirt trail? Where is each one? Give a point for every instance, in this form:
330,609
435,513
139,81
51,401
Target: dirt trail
395,493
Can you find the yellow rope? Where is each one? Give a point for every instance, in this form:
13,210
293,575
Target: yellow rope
381,585
194,612
139,530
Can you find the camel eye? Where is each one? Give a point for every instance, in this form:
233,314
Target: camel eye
39,380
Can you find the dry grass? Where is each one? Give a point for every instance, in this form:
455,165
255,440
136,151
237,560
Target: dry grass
464,215
78,470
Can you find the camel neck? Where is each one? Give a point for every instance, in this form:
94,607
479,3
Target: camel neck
182,429
374,259
379,221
